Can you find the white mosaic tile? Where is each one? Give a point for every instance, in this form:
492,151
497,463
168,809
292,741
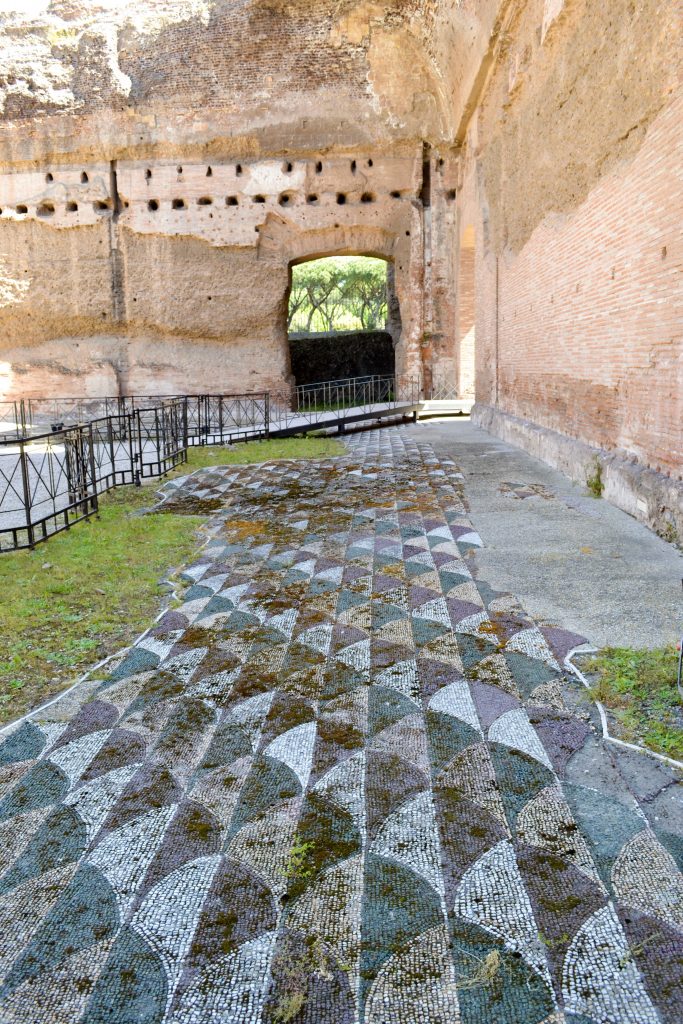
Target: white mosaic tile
599,976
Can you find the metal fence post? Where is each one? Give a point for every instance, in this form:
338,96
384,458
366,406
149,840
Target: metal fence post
157,437
94,502
138,457
27,494
112,455
266,410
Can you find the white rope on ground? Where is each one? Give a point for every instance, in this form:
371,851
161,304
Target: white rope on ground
603,714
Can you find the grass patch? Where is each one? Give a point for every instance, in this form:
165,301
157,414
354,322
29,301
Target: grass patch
91,590
84,594
262,451
594,481
639,690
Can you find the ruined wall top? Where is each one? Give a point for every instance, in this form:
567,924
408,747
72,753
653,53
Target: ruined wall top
133,78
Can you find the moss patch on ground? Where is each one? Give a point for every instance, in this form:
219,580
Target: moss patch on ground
91,590
638,688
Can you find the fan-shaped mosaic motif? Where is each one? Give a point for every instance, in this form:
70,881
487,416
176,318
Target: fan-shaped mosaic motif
338,784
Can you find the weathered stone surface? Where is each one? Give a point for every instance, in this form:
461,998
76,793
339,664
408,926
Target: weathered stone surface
163,163
389,839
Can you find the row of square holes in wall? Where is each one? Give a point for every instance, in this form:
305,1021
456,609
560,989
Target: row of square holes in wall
103,206
284,200
287,168
49,178
49,209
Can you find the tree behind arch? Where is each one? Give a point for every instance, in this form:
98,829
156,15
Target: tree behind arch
338,293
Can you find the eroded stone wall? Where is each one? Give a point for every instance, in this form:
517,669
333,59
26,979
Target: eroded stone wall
165,276
85,77
165,163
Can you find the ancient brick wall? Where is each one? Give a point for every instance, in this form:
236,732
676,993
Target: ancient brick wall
466,318
572,172
590,325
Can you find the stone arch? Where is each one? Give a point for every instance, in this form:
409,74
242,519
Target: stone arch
363,351
399,243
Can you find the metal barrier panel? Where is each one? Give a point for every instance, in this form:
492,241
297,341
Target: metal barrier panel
113,451
443,393
49,480
331,395
159,435
326,402
43,414
47,483
215,419
211,418
12,419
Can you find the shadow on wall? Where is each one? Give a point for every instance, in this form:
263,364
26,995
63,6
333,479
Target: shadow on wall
338,355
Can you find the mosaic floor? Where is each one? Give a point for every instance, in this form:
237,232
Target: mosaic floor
341,782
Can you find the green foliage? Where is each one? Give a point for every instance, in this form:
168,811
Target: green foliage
594,481
338,293
639,689
298,867
288,1007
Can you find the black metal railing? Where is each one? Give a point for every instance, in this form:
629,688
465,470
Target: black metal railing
327,403
12,419
50,481
213,417
58,455
345,394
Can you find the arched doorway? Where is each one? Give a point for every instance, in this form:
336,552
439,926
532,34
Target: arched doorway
342,318
283,247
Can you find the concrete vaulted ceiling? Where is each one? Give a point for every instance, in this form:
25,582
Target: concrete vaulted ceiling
126,77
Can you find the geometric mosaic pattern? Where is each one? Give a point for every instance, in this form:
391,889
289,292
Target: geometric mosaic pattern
339,783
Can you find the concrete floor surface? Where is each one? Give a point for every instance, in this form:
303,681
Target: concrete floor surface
570,558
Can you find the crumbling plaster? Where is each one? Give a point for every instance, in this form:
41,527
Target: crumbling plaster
219,140
186,266
533,139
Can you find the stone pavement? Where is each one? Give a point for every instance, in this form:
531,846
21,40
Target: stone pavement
344,781
566,556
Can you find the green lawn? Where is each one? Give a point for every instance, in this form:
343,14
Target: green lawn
91,590
639,690
262,451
